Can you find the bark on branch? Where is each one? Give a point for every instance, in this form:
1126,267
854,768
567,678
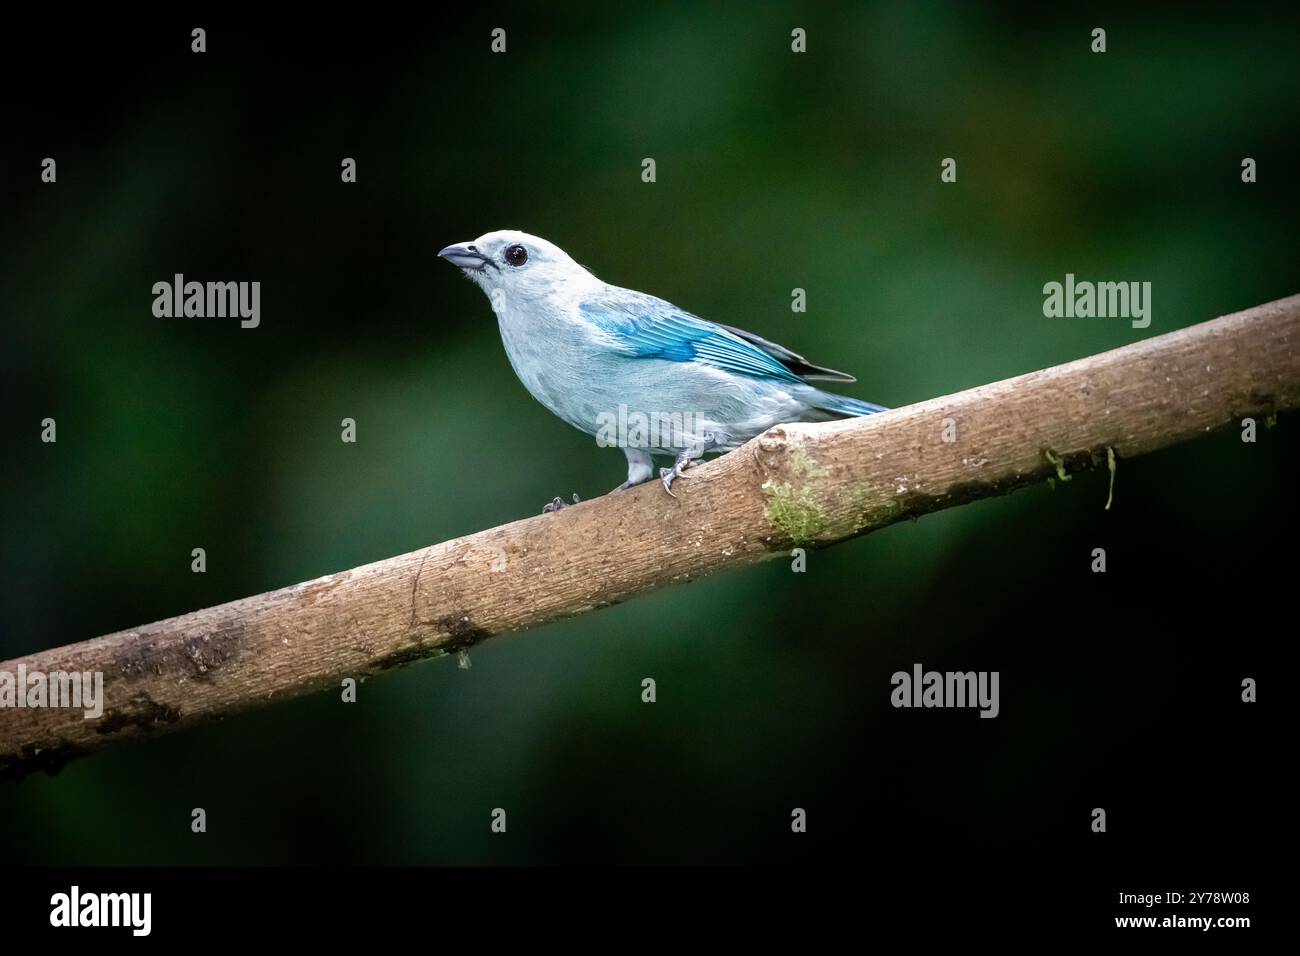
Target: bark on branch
805,485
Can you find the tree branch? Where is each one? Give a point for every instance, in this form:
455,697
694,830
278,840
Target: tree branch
795,485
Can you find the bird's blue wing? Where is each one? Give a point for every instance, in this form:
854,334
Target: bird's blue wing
646,327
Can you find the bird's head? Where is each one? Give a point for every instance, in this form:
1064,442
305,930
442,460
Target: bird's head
511,265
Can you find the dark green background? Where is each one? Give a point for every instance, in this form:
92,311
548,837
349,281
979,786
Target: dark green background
775,171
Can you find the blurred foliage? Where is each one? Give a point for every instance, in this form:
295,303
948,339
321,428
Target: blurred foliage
775,170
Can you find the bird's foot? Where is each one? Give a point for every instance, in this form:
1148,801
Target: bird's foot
691,456
668,475
558,504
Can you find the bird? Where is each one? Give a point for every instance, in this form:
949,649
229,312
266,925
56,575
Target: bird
634,370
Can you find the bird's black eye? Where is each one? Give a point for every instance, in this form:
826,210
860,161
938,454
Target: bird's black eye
516,255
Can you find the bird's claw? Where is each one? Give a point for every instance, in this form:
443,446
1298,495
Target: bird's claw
668,475
557,504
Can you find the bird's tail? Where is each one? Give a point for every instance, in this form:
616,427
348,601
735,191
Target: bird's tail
843,405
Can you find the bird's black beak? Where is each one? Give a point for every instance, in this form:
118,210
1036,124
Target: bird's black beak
466,256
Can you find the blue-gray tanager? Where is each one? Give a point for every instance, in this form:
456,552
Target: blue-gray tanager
633,370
